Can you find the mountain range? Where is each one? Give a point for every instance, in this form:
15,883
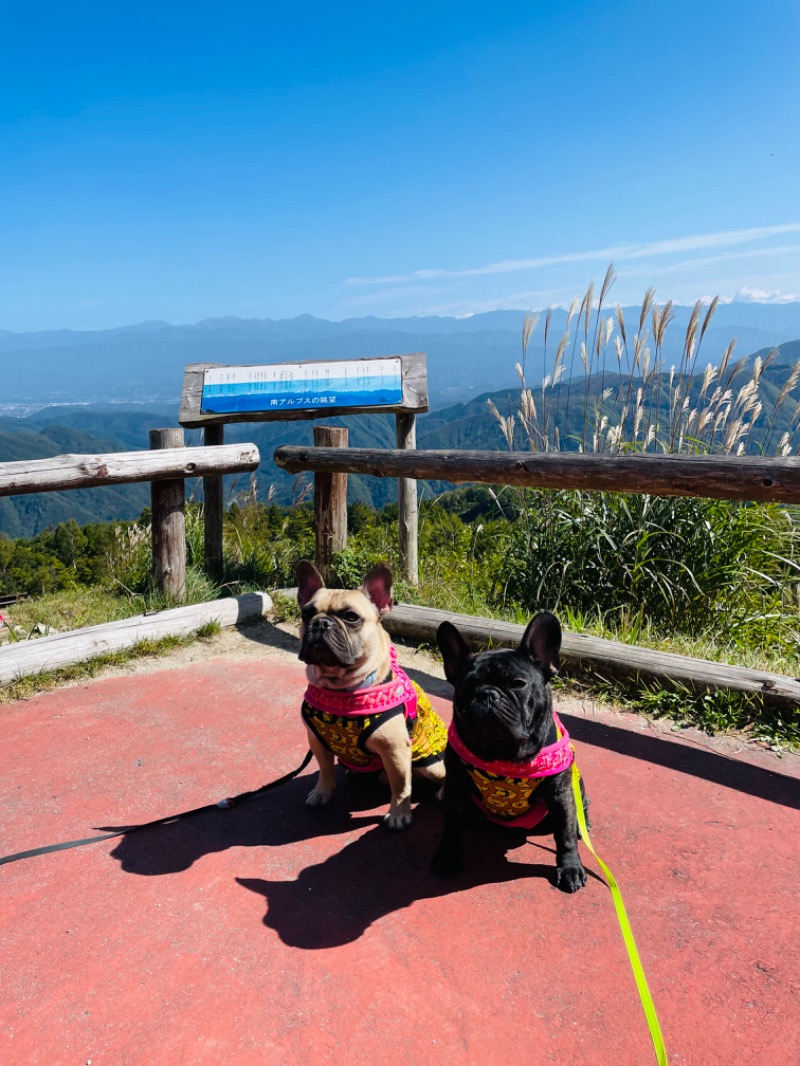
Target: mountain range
467,424
466,356
103,391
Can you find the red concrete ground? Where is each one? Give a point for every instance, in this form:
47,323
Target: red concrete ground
269,933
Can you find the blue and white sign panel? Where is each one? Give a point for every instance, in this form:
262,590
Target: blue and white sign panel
302,386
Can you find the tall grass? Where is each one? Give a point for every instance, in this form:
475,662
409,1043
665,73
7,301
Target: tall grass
261,543
608,390
669,565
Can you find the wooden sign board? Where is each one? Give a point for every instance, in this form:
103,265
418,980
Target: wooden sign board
218,393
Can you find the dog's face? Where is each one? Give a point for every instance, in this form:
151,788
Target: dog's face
342,640
502,703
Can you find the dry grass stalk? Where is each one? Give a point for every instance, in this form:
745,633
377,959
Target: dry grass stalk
650,408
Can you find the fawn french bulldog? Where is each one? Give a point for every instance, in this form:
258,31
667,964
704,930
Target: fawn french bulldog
360,706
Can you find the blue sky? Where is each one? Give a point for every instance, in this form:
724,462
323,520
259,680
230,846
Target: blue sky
180,161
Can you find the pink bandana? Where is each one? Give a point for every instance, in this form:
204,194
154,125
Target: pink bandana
549,761
365,701
506,790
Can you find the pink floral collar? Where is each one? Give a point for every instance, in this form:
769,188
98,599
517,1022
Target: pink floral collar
549,761
365,701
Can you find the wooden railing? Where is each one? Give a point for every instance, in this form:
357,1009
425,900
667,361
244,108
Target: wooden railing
724,477
718,477
165,466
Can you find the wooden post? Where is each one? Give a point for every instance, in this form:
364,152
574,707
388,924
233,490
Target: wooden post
213,435
330,503
407,512
168,524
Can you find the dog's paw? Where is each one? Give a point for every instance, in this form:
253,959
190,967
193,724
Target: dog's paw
319,797
570,878
446,863
398,820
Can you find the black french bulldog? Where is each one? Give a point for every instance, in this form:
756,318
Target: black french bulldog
506,756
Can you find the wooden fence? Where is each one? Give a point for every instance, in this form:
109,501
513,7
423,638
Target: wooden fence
719,477
724,477
165,466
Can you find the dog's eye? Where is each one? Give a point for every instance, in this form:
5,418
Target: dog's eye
518,682
351,616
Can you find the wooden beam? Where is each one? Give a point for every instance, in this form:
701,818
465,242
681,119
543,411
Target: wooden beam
122,468
330,503
168,524
724,477
608,658
28,657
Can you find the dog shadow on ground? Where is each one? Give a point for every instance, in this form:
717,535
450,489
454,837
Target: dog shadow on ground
335,901
272,820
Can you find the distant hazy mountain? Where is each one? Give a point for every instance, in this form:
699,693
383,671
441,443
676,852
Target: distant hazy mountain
466,356
465,424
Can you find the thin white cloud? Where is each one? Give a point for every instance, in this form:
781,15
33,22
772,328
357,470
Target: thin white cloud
726,238
764,296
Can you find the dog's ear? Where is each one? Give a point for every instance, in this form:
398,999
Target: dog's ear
309,581
377,587
453,648
542,640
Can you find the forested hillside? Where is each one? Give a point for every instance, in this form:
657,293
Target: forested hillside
568,408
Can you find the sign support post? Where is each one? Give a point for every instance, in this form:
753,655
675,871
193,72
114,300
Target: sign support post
330,503
407,507
168,524
213,507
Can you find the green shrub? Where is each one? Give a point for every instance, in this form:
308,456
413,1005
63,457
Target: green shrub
673,563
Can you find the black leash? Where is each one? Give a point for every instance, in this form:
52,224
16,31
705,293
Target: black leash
120,830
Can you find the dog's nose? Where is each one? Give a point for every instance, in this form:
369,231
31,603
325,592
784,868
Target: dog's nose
487,696
320,625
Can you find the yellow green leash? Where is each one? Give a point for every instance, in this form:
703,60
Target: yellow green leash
627,934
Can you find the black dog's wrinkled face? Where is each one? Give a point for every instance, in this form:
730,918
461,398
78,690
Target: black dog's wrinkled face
502,703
